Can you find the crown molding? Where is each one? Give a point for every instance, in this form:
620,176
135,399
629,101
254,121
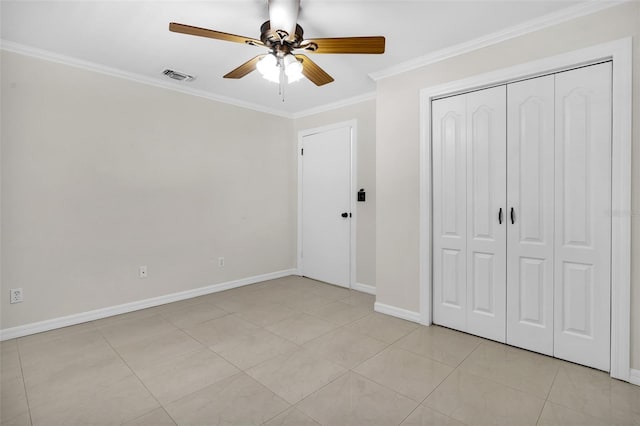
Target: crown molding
22,49
527,27
335,105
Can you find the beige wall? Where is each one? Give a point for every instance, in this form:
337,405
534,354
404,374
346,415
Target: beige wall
101,175
397,145
365,115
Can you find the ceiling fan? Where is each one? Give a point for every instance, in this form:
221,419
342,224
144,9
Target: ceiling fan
283,37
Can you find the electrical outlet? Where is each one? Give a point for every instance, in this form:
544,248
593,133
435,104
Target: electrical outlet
16,295
221,262
142,271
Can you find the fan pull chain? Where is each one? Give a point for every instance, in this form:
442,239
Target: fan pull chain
281,79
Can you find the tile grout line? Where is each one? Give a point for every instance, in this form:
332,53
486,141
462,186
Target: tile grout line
142,415
318,390
491,379
442,381
345,324
209,348
371,357
241,370
343,327
546,399
299,348
351,370
302,347
372,337
24,383
378,353
228,360
347,370
564,405
273,417
164,315
137,377
337,327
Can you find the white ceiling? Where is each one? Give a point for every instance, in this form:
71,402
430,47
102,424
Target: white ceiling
133,36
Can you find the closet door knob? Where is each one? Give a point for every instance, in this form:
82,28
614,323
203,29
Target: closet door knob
500,216
513,216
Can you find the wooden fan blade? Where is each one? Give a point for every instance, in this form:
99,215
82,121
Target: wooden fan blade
373,44
313,72
218,35
245,68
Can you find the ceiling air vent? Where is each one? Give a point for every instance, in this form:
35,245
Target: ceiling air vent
177,75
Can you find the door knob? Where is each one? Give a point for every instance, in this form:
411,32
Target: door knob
345,214
513,216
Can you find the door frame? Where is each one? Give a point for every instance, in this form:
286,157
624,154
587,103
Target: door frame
620,53
353,125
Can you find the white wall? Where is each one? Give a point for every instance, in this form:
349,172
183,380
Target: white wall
365,115
101,175
397,145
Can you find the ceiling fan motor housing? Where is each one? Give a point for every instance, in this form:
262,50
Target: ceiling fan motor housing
280,42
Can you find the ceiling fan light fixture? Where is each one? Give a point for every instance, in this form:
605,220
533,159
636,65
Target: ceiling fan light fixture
268,68
292,68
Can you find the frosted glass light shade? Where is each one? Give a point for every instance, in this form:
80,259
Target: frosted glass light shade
268,68
293,68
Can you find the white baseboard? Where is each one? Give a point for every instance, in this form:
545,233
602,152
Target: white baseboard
39,327
397,312
634,377
365,288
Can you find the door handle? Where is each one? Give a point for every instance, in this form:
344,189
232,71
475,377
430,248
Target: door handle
500,216
513,216
345,214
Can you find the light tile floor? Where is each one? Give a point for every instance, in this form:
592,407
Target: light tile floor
297,352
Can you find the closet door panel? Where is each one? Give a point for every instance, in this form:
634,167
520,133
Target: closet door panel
530,147
583,216
449,212
486,194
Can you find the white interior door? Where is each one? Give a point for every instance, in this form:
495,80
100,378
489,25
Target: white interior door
530,147
449,212
583,216
486,227
326,203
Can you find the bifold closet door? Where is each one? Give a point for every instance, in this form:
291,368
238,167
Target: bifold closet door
522,214
469,213
486,213
530,147
583,216
449,155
